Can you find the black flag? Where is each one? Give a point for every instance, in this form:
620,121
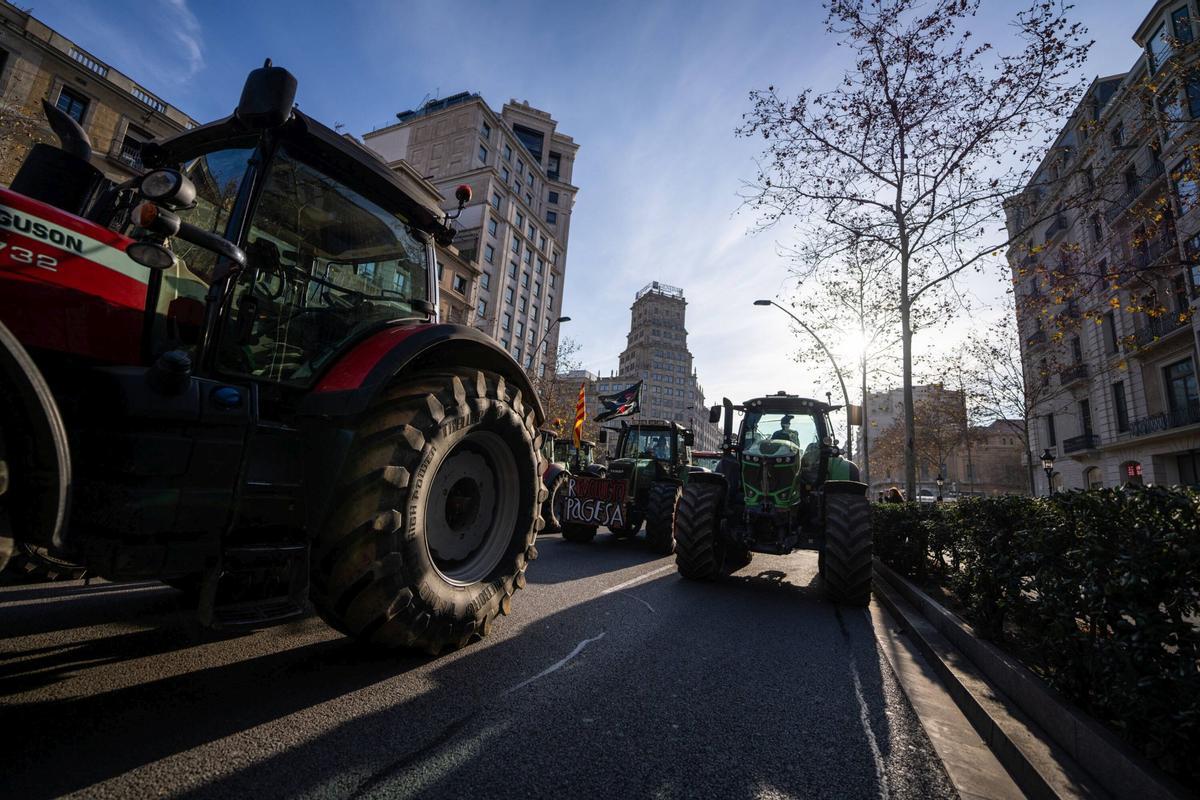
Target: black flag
621,404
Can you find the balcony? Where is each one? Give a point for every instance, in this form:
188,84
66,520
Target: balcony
129,153
1149,252
1073,374
1166,420
1036,340
1076,444
1157,328
1134,190
1059,224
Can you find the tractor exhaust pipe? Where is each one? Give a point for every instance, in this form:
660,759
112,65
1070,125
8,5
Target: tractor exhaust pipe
72,137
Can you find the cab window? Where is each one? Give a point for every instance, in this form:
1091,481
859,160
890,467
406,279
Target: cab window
324,266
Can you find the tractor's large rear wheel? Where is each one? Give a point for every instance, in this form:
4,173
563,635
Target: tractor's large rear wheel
660,517
34,564
435,515
846,557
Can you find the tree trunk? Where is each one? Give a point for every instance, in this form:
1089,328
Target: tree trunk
866,431
910,450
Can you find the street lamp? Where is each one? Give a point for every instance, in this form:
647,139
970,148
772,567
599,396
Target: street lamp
1048,465
549,328
837,371
940,481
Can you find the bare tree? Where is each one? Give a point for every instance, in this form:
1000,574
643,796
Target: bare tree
917,146
559,395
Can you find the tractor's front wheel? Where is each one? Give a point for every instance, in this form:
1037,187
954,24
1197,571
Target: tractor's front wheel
699,555
435,515
34,564
660,517
633,523
845,559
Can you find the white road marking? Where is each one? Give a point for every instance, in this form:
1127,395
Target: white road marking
638,579
865,717
558,664
640,600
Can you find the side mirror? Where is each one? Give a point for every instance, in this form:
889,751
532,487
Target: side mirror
267,98
603,436
689,438
714,415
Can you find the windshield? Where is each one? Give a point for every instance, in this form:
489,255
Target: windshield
324,265
707,462
646,443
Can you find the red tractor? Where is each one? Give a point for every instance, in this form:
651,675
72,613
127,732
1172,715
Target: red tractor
228,374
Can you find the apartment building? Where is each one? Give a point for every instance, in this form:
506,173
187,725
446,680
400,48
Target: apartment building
656,353
118,114
514,233
1105,274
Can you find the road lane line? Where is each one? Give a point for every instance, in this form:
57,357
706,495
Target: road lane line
640,600
558,664
865,717
638,579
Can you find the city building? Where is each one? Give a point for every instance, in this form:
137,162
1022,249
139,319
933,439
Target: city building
1106,237
656,353
118,114
513,234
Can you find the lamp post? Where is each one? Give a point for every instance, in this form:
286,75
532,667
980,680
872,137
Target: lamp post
1048,465
832,360
549,328
940,481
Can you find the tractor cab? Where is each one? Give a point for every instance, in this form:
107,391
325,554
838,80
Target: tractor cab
651,450
574,459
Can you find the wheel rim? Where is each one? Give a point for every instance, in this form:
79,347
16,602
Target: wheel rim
559,502
471,508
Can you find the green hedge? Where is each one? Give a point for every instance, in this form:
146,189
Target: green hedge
1099,591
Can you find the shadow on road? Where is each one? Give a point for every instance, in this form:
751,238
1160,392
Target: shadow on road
606,553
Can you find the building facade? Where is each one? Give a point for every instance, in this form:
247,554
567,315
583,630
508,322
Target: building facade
513,234
1106,241
656,353
118,114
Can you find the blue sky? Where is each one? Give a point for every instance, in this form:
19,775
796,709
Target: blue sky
652,92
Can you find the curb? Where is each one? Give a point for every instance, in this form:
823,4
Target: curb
1050,748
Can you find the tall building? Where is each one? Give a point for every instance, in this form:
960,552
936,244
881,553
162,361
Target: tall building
656,352
118,114
513,235
1113,362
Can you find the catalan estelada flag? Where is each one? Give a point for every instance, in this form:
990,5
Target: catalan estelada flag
622,404
580,408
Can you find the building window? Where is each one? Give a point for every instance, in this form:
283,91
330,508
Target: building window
485,280
1085,417
1109,323
509,294
542,243
1117,135
516,246
489,254
506,173
496,200
552,198
1120,407
1180,290
492,227
528,257
549,302
524,280
528,361
529,199
1181,25
485,131
520,329
533,313
481,308
541,265
553,280
483,154
506,321
537,288
72,103
520,167
459,283
524,304
1183,396
507,152
512,269
532,232
1097,231
1051,434
1160,48
553,166
552,217
1171,110
529,180
1185,185
1192,89
516,351
520,220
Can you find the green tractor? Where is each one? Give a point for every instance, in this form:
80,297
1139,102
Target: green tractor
562,461
782,484
653,460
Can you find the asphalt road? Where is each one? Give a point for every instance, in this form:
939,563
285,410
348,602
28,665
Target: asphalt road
613,677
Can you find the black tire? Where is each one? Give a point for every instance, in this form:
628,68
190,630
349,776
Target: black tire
846,554
578,532
633,524
552,508
660,517
397,566
699,555
33,564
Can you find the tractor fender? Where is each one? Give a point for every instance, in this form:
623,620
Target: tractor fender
715,478
552,472
352,382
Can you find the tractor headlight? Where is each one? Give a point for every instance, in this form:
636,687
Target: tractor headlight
170,188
